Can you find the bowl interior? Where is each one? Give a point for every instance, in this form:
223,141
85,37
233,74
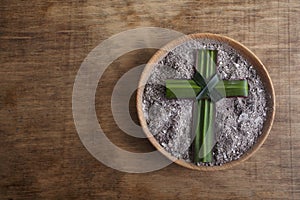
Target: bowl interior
248,55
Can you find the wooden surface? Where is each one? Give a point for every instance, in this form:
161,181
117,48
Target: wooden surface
42,45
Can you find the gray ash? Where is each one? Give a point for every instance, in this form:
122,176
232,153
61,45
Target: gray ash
239,121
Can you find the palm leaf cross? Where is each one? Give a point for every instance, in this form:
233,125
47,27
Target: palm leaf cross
205,88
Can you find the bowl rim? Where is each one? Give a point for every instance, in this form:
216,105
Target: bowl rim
248,55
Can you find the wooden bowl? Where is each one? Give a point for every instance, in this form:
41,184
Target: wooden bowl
247,54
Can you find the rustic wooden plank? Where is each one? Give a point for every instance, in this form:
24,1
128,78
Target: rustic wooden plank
42,45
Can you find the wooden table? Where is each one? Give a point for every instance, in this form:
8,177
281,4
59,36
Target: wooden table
42,45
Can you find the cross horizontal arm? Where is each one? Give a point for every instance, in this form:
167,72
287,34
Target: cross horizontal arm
176,88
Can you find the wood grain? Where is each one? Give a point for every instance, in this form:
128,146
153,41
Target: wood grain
42,45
